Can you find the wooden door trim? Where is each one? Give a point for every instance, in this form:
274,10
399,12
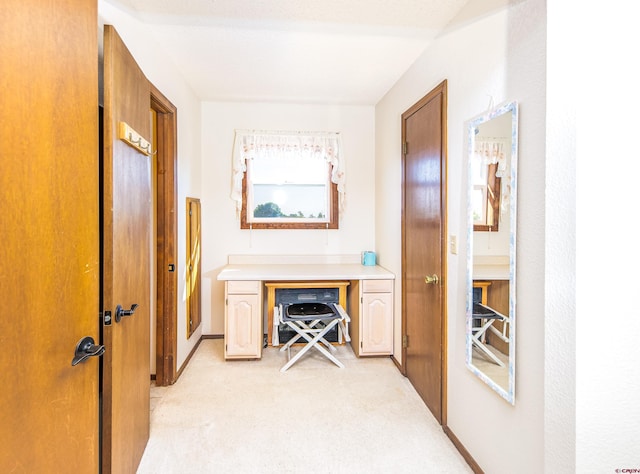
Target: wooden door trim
443,255
166,249
440,89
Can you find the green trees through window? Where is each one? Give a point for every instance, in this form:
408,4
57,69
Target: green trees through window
271,209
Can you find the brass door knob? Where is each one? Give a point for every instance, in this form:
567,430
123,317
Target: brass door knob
431,280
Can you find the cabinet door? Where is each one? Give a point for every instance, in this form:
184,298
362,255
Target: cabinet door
377,323
243,338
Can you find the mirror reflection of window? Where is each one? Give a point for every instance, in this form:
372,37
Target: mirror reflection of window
479,192
479,203
488,166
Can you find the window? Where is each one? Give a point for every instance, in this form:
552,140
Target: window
486,198
488,166
288,180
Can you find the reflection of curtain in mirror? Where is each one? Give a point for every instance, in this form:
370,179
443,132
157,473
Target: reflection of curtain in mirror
491,151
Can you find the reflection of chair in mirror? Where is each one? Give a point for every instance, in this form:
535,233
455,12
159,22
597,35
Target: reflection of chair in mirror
311,322
483,318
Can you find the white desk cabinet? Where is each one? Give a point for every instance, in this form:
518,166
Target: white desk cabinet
243,320
371,309
369,298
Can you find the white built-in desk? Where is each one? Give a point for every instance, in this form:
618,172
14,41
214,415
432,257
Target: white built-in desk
303,272
369,299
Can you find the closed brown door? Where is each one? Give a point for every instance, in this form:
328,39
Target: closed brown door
423,244
126,218
49,235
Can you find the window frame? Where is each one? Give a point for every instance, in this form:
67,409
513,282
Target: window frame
333,210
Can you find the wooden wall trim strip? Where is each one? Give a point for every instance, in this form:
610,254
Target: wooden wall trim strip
462,450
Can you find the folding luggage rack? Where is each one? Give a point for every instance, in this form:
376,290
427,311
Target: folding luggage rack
309,297
312,316
484,317
311,322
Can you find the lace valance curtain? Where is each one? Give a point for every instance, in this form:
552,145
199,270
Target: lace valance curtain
490,152
254,144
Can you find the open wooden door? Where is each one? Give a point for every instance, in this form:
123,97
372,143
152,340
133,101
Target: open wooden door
49,240
424,249
126,233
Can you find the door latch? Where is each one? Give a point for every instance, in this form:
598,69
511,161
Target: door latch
86,348
121,313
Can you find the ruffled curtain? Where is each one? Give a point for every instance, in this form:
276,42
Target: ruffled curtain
490,153
254,144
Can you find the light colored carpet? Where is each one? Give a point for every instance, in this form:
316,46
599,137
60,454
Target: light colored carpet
247,417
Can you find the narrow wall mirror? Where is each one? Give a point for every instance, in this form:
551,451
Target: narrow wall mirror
491,255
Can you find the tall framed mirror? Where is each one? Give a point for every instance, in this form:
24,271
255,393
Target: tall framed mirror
491,255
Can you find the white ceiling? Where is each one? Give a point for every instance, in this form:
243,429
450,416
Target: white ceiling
325,51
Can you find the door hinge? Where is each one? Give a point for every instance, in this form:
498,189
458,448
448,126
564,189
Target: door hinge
405,341
404,148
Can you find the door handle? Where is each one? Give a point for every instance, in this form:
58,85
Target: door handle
86,348
121,313
431,280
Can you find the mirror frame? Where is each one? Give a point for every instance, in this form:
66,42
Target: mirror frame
506,108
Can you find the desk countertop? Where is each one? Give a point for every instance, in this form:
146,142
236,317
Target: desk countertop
304,272
491,267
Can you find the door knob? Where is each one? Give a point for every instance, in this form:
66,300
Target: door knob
121,313
86,348
431,280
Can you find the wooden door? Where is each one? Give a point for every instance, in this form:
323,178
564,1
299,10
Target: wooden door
423,248
49,249
126,212
194,265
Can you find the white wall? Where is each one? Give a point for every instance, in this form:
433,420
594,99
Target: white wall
606,98
139,40
560,251
497,58
221,233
